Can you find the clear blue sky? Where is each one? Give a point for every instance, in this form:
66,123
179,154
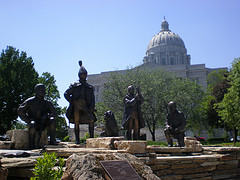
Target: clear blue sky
113,34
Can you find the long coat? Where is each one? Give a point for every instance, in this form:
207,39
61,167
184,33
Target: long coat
176,120
131,103
74,93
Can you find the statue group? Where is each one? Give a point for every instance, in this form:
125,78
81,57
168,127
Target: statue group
40,114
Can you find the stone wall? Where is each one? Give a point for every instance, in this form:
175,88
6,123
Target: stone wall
212,163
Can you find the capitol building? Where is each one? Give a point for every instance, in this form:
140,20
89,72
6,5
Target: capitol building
165,50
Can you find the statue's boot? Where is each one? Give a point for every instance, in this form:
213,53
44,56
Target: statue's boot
77,137
32,132
52,129
170,143
53,138
181,141
135,136
91,130
129,135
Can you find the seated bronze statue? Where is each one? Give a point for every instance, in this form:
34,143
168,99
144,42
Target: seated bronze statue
132,116
111,128
39,114
80,95
175,125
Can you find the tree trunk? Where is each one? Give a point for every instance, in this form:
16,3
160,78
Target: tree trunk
234,135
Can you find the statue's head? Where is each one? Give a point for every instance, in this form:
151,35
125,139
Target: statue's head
172,106
40,90
130,90
82,73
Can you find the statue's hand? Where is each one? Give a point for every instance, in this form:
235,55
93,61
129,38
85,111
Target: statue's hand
176,130
28,120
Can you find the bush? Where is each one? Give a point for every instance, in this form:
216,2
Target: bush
215,139
44,168
237,144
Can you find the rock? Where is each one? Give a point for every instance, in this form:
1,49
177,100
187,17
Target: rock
102,142
20,138
192,143
87,167
133,147
19,162
6,144
66,152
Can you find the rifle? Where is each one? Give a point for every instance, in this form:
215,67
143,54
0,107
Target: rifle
41,122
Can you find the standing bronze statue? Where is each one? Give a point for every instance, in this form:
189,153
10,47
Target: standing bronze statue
80,95
175,125
132,119
39,114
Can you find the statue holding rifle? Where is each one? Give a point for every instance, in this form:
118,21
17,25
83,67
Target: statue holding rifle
39,114
80,95
133,119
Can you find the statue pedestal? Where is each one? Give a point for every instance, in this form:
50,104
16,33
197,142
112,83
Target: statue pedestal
132,147
20,138
102,142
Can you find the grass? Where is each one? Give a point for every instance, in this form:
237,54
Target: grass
204,143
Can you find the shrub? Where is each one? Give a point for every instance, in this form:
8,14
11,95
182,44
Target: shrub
215,139
44,168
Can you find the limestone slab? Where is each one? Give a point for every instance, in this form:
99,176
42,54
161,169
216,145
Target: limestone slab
6,144
66,152
19,162
133,147
102,142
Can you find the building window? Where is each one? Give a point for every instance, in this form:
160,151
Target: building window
171,61
163,61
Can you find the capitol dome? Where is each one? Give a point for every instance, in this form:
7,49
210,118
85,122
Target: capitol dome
166,48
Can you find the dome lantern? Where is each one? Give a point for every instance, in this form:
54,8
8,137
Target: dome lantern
164,25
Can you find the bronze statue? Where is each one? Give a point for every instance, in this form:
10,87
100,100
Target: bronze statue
80,95
111,128
132,118
175,125
39,114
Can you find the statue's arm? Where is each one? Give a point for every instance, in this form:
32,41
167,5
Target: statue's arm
68,94
22,109
129,102
51,110
183,122
92,103
167,124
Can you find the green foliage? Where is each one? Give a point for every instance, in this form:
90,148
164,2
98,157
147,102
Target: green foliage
229,109
52,94
237,144
44,168
158,87
19,125
86,136
66,139
161,144
18,78
217,87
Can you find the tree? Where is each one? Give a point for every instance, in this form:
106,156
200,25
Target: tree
52,94
217,87
158,88
17,78
229,108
